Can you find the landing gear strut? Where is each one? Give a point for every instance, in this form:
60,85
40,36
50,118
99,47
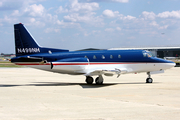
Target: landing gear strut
149,79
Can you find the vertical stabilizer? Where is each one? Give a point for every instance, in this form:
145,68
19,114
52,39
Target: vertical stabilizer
25,43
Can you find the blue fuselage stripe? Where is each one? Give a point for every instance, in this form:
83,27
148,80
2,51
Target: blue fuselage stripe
103,56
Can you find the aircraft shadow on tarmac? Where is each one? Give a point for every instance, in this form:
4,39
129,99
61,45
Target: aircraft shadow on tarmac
83,85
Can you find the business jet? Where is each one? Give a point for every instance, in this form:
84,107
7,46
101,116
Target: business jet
87,63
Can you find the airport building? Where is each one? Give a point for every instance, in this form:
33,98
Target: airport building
161,52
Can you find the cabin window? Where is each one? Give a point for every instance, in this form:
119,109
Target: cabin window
49,52
111,56
103,57
119,56
94,57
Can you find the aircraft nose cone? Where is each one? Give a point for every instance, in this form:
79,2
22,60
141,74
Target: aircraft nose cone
172,64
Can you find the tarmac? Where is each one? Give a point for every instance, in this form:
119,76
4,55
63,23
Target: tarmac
30,94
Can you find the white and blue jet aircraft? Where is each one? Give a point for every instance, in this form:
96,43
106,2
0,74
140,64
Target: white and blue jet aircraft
87,63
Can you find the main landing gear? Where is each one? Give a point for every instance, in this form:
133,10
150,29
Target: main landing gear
89,80
99,80
149,79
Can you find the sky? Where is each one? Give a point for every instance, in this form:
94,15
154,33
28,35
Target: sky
103,24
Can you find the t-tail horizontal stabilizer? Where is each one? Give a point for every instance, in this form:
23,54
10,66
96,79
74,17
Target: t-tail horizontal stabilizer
25,43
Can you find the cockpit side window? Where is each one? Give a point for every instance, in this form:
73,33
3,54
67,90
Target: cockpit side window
151,54
148,54
145,54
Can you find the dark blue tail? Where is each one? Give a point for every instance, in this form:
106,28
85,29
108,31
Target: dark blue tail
25,44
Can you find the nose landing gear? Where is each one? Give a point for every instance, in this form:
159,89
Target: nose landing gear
149,79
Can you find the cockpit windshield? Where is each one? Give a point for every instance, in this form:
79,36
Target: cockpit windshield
148,54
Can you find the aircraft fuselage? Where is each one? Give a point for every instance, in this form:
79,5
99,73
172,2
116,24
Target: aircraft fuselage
79,62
